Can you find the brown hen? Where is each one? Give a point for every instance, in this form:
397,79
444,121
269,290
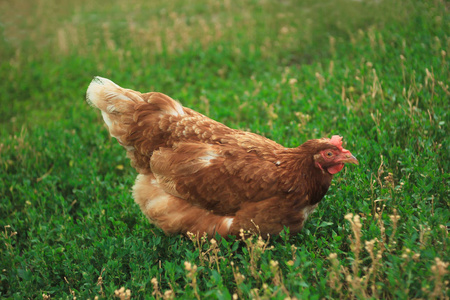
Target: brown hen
198,175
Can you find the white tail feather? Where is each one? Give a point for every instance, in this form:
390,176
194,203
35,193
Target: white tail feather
114,103
102,93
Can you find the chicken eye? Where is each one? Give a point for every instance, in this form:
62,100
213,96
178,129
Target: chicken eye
329,154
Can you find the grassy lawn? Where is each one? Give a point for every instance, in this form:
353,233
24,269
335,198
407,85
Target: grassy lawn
375,72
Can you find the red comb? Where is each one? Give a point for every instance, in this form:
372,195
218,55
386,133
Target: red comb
337,141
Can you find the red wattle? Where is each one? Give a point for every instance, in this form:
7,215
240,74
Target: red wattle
335,169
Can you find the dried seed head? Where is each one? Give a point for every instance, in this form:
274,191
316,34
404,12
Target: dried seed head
187,266
260,243
168,294
357,221
370,244
394,218
440,267
274,263
332,256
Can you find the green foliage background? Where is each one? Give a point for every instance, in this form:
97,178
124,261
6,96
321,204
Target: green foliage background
375,72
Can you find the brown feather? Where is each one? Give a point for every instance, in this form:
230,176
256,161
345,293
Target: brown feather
199,175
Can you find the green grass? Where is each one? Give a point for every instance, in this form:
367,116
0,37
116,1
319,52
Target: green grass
376,72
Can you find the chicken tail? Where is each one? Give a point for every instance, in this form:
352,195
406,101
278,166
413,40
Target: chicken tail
133,118
116,104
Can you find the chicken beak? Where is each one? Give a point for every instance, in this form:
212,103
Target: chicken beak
348,158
